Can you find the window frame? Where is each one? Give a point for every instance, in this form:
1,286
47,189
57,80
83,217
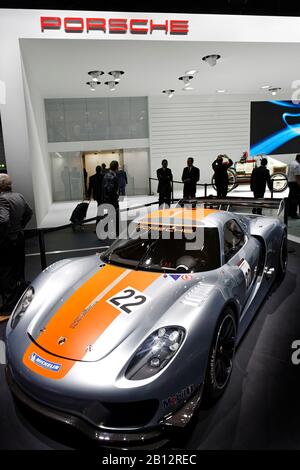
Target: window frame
223,236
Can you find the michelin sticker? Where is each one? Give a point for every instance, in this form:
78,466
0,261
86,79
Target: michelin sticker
246,270
39,361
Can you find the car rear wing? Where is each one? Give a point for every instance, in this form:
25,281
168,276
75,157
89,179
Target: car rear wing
278,204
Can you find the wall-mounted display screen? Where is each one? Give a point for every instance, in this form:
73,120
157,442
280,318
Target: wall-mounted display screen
275,127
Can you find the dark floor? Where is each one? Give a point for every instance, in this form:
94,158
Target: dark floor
259,410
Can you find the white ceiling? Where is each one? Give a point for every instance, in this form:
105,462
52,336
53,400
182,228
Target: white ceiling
59,67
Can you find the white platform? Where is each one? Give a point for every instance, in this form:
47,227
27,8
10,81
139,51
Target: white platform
60,212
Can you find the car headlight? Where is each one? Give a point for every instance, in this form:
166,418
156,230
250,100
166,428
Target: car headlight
155,352
22,306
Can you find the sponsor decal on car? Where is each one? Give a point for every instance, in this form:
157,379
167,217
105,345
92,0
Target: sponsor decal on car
246,270
178,397
186,277
34,357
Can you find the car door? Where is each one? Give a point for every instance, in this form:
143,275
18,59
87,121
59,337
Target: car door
241,253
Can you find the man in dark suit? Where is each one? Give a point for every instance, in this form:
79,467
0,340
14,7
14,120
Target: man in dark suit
111,192
260,176
220,168
95,189
164,189
14,215
190,177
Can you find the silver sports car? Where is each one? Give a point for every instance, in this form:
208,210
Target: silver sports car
125,345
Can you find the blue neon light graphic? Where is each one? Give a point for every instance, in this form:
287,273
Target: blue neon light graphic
271,143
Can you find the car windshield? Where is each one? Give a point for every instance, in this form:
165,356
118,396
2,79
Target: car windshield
166,249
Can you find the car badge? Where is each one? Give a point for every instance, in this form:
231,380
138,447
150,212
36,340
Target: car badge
62,340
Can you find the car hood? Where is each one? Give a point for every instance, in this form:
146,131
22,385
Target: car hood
95,316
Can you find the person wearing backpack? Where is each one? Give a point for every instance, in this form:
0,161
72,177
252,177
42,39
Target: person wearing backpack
111,189
15,214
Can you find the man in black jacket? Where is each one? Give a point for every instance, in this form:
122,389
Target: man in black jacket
165,178
190,177
14,215
220,168
111,190
260,176
95,185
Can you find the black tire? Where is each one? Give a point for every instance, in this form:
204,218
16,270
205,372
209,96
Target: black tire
282,258
219,365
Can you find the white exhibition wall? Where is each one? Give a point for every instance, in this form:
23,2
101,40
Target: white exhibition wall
200,127
192,129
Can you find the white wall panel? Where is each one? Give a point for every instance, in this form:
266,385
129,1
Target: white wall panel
200,127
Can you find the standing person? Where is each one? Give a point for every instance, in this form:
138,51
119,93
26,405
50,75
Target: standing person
165,178
111,190
95,185
260,176
103,168
85,175
190,177
15,213
122,176
294,185
220,168
95,189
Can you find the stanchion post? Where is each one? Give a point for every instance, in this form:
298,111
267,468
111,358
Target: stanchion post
205,189
150,188
42,248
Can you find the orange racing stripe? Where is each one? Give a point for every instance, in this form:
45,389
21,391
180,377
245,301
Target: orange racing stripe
90,326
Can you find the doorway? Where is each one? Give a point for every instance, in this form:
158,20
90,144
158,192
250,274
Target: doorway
98,157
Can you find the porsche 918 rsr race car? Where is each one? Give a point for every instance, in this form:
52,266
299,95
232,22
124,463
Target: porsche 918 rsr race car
125,345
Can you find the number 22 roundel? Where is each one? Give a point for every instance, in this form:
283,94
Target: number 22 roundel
128,300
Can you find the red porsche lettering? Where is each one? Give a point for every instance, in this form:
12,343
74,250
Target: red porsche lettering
114,25
96,24
74,25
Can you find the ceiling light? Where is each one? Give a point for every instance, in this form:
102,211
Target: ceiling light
169,93
264,87
95,74
221,91
211,59
186,80
274,90
92,85
116,74
112,85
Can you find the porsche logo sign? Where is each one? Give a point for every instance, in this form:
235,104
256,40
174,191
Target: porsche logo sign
113,25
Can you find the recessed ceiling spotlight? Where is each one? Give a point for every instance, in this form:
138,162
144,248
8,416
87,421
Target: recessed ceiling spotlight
112,84
169,93
95,74
186,80
274,90
92,84
221,91
265,87
191,72
211,59
116,74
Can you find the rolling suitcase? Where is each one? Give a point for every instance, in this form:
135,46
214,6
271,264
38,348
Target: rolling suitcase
78,216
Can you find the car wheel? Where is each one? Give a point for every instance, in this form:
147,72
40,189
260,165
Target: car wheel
220,360
283,258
